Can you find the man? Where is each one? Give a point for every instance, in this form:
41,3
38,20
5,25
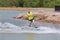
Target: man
30,18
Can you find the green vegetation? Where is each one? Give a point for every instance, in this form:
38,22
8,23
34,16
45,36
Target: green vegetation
49,3
29,3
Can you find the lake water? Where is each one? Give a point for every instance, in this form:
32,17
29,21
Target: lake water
6,16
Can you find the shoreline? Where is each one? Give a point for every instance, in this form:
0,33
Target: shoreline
23,8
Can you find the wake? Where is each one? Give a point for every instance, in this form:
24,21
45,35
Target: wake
11,28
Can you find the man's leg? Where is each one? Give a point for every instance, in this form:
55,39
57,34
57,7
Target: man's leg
34,24
29,24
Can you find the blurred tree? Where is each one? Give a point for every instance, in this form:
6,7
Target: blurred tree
29,3
57,2
49,3
32,3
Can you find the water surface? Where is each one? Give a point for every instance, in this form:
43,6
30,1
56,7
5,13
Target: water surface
6,16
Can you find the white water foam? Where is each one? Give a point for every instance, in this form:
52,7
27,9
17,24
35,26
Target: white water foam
11,28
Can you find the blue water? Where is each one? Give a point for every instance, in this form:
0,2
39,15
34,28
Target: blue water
6,16
14,36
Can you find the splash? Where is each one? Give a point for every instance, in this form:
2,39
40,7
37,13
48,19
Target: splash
11,28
